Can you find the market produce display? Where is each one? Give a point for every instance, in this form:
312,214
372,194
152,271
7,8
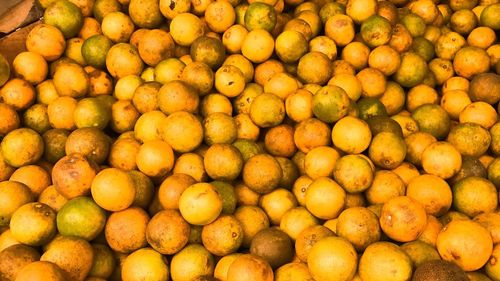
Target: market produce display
258,140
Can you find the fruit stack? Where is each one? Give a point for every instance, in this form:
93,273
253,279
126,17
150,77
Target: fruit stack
257,140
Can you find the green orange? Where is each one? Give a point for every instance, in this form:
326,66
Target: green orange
81,217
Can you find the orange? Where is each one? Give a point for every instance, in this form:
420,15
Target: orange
290,45
470,61
91,142
282,85
223,236
12,195
384,261
432,192
465,243
246,127
219,16
314,67
176,96
420,252
64,15
123,116
441,159
431,231
385,59
360,10
24,67
253,219
123,59
351,135
385,186
91,113
90,27
359,226
191,164
185,28
480,113
403,219
296,220
442,69
215,103
145,13
223,264
249,267
18,93
155,158
279,141
71,80
292,271
46,40
246,196
298,105
262,173
320,161
61,113
325,198
260,15
332,258
200,204
82,173
125,230
258,46
311,133
182,130
481,37
145,263
148,126
22,147
267,110
73,255
353,172
4,70
123,153
298,25
223,162
113,189
71,218
11,120
117,26
406,171
33,224
34,177
376,31
416,143
308,238
192,262
167,232
41,270
474,196
433,119
340,28
491,223
219,128
14,258
171,9
277,203
52,198
470,139
420,95
155,45
454,101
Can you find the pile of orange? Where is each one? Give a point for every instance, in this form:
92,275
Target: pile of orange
259,140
